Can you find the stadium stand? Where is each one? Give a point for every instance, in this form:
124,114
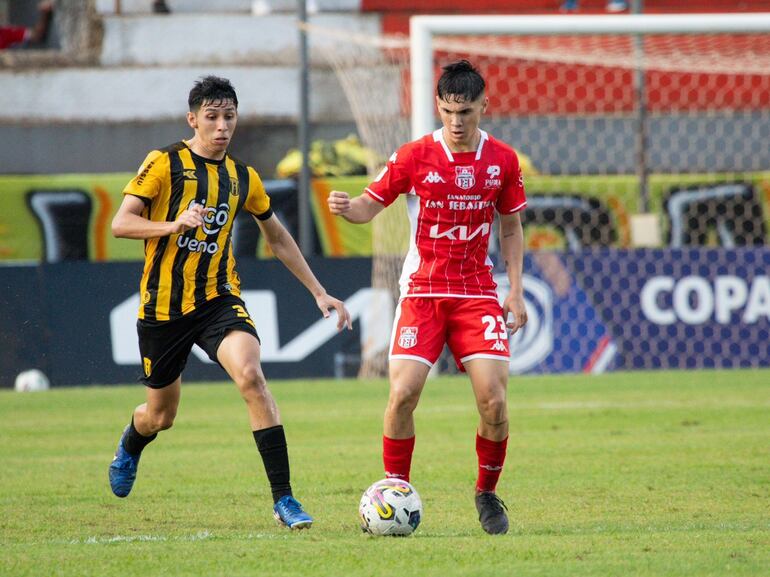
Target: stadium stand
128,69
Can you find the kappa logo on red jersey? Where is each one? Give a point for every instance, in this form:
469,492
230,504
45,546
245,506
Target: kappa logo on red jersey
408,337
464,177
433,178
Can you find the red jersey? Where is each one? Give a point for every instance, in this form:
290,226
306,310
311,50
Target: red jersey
11,35
451,203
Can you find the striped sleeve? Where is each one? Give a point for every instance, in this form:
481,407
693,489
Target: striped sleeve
257,201
149,179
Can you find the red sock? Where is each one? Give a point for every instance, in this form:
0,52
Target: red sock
397,457
491,458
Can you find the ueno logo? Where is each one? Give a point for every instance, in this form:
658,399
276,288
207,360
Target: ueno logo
195,245
213,221
695,300
459,232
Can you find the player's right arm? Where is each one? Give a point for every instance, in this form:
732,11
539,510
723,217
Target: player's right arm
357,210
394,179
151,179
129,222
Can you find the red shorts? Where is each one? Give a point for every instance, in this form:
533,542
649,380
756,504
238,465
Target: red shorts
472,327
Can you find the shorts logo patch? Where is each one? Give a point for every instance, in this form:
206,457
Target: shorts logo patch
500,346
147,366
408,337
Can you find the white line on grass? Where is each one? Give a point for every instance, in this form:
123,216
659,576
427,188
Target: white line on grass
580,405
93,540
199,536
651,404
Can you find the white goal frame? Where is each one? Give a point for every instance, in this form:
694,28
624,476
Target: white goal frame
423,28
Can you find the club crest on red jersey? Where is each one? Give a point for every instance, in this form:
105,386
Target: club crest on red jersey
408,337
464,177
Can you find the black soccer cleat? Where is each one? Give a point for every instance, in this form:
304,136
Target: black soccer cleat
492,513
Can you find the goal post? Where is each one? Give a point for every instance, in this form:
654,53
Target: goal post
422,30
633,131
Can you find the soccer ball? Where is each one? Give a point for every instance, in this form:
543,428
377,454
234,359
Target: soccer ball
390,507
31,381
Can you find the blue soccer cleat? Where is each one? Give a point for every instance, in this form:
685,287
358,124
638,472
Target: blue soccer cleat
123,469
289,513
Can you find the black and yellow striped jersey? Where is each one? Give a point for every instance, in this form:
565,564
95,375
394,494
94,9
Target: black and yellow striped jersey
183,271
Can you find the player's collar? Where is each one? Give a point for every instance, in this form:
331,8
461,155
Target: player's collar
438,136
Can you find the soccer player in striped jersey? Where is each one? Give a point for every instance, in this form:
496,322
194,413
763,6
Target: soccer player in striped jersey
183,203
455,180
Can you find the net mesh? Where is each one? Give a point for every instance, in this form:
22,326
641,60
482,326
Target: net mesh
657,140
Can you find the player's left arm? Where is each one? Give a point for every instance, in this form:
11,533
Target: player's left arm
512,253
285,248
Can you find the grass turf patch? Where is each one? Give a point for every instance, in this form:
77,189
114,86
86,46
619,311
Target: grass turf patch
663,473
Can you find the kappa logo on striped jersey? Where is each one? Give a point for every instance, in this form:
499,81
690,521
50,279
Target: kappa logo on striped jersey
433,178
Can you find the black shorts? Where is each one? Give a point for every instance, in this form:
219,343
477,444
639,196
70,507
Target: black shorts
165,345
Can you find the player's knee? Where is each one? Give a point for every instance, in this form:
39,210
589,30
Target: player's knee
162,420
493,410
403,399
251,380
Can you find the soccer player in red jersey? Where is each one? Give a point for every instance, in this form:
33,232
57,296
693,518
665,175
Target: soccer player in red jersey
454,179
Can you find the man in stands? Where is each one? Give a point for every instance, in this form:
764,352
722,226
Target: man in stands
183,203
23,37
455,180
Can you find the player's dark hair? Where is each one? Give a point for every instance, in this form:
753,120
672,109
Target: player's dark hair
460,82
211,89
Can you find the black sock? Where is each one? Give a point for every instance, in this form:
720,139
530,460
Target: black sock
271,443
135,441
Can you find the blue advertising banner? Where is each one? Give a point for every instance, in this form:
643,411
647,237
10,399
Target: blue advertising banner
589,311
76,321
681,308
598,310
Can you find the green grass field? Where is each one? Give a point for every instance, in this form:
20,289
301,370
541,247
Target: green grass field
662,473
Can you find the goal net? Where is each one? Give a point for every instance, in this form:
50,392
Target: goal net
634,131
